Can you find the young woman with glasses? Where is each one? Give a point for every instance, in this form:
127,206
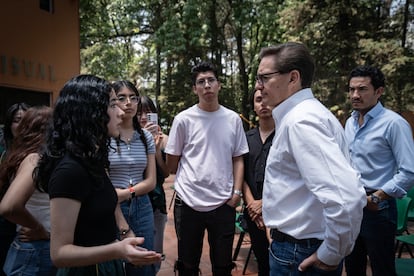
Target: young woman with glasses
132,172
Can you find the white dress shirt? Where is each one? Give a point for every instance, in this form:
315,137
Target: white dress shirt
310,189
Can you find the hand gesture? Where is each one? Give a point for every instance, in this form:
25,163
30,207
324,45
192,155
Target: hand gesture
137,255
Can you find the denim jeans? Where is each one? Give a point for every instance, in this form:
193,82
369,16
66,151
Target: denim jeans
29,258
190,226
160,219
139,215
376,239
285,258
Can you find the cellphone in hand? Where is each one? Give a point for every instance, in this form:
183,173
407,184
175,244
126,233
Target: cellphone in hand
153,118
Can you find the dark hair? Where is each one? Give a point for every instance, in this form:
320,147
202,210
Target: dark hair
118,85
146,103
31,136
251,98
8,121
377,77
202,67
80,120
292,56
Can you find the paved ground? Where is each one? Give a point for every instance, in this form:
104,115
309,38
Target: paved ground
170,247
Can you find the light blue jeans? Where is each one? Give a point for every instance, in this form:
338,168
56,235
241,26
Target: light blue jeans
139,215
29,258
285,257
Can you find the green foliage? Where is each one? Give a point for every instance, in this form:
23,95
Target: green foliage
156,42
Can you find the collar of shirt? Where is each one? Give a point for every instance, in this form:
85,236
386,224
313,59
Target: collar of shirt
284,107
374,112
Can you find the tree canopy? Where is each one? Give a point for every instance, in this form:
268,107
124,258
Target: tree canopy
154,43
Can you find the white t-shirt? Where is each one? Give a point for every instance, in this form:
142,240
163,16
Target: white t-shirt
38,206
206,142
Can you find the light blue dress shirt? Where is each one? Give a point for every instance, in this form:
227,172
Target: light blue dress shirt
382,150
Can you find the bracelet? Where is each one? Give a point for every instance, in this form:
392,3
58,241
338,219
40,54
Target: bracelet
132,191
125,231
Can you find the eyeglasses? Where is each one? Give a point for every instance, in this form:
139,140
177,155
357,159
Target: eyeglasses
124,99
202,82
263,78
113,103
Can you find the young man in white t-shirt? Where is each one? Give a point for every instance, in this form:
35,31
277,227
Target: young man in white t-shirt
205,150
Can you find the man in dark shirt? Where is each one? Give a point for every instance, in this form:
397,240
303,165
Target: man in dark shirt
259,140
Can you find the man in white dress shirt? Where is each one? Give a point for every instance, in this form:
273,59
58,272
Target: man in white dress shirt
312,198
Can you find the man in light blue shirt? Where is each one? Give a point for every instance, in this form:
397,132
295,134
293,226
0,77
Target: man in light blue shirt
382,151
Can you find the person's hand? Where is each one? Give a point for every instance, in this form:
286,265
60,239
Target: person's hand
153,128
33,234
313,261
254,209
260,223
234,201
375,206
137,255
371,205
158,139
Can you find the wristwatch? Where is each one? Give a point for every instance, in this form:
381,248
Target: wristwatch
375,199
123,232
238,192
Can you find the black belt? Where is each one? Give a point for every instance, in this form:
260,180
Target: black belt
282,237
179,201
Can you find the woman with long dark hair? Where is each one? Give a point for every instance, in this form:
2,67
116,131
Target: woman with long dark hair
21,203
157,196
132,171
84,210
12,119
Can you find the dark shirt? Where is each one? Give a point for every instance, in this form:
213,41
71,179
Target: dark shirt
96,224
157,195
255,161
